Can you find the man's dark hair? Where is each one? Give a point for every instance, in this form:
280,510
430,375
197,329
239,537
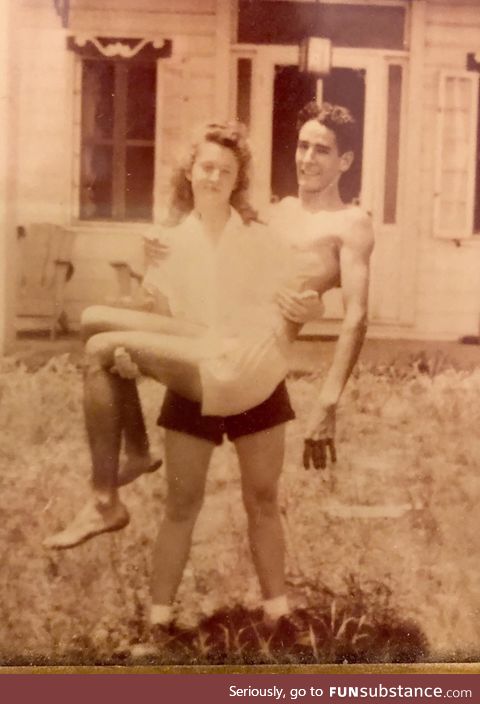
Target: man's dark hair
336,118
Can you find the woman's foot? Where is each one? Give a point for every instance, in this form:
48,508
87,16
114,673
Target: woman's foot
157,641
134,466
92,520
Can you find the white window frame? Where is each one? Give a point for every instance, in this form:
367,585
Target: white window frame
439,230
75,219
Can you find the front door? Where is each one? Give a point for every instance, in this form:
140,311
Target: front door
370,84
344,86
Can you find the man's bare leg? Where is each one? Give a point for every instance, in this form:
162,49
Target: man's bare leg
261,458
103,512
169,360
139,459
96,319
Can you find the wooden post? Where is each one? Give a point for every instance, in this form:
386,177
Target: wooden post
8,37
412,148
222,58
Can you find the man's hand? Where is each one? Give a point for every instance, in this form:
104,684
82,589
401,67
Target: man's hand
320,437
154,249
299,307
123,364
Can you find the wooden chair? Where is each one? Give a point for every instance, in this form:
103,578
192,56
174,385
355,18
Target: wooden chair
45,267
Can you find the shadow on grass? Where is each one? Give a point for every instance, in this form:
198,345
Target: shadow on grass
238,636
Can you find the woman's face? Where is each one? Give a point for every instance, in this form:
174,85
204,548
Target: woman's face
214,174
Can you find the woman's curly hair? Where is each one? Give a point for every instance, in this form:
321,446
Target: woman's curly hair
231,135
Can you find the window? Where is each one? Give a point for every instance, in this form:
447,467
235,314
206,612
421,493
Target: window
476,212
117,139
392,152
286,22
244,90
118,102
456,212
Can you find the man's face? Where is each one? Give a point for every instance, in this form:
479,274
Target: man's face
317,159
214,173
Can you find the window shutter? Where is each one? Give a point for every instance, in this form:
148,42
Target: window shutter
456,154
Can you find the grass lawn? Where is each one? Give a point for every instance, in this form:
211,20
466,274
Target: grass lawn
383,550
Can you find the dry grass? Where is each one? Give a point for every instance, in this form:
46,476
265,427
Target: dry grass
382,551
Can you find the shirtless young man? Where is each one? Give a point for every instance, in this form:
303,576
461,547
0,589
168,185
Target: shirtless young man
336,241
342,236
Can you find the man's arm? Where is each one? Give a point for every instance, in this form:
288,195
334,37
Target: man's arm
156,252
354,268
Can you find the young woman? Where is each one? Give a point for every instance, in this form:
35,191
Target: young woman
222,357
220,342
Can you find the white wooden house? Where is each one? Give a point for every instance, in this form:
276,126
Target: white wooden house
101,93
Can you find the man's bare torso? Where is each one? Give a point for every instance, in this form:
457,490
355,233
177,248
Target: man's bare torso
318,240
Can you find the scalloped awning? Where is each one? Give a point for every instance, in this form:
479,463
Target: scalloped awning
91,47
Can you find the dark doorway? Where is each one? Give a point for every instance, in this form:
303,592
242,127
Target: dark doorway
291,91
344,86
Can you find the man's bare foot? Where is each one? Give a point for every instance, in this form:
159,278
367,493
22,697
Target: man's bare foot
92,520
134,466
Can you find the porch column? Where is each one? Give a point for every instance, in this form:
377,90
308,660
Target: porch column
222,58
8,34
412,148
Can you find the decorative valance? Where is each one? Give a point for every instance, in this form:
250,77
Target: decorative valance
89,47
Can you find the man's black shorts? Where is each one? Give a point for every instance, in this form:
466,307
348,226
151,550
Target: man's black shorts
178,413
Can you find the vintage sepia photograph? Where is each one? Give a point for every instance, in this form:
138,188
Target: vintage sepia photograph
239,332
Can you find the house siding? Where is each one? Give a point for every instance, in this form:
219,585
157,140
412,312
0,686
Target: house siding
46,116
448,272
446,284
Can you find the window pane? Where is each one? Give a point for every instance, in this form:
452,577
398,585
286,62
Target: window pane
393,144
346,86
456,167
96,182
476,214
139,183
283,22
244,90
292,90
97,99
141,101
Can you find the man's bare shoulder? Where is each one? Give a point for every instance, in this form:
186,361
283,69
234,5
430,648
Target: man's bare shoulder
358,233
264,236
278,209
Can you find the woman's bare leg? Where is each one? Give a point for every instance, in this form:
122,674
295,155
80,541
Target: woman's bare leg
187,460
261,460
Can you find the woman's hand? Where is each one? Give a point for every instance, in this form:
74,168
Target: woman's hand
154,249
300,307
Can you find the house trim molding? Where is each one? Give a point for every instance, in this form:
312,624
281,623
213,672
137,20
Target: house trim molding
91,47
